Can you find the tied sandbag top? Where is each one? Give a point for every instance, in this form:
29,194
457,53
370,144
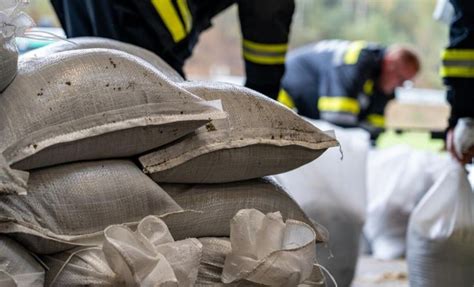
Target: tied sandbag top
74,95
259,137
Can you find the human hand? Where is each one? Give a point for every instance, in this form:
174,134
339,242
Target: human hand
465,157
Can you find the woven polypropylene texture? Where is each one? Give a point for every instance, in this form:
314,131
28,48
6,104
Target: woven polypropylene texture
259,137
92,104
70,205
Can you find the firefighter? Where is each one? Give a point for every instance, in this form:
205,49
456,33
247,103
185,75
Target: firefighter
171,29
346,83
457,70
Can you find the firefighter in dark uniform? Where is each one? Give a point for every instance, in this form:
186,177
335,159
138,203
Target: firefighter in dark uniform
346,83
171,29
457,69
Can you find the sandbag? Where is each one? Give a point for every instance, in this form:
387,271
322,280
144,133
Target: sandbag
147,257
97,42
92,104
259,137
12,181
8,61
332,190
441,233
13,23
397,179
464,135
214,252
18,268
269,251
218,203
70,205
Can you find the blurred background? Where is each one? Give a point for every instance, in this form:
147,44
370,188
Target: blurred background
420,110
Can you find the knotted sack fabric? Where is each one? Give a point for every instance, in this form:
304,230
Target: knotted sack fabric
93,104
13,23
147,257
214,252
18,268
259,137
71,205
268,251
11,181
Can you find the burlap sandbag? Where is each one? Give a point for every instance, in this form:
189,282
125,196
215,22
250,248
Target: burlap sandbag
220,202
92,104
147,257
259,137
70,205
214,252
18,268
97,42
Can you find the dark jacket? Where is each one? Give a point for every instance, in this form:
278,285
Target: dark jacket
336,81
457,69
171,29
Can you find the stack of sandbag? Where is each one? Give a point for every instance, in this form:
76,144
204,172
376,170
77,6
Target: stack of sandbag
13,23
93,104
397,178
440,249
332,190
74,116
218,168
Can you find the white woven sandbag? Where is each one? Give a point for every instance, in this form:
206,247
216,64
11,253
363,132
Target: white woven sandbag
70,205
8,62
266,250
214,252
440,250
18,268
332,191
97,42
13,23
259,137
92,104
397,179
147,257
11,181
220,202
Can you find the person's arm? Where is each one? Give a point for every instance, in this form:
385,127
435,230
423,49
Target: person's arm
265,28
457,69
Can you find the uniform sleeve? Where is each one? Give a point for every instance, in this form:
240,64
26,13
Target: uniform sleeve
339,103
457,67
265,28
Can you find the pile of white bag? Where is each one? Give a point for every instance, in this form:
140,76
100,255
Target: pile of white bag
397,179
79,117
332,190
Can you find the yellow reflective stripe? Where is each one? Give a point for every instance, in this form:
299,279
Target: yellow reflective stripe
338,104
376,120
282,48
265,60
353,51
171,19
369,87
284,98
457,72
187,17
457,54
